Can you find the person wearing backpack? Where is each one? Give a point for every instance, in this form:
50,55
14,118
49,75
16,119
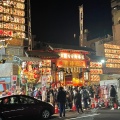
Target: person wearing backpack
85,95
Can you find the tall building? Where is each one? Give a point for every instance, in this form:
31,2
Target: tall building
13,26
115,39
115,6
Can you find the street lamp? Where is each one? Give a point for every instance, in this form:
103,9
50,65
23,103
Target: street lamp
103,61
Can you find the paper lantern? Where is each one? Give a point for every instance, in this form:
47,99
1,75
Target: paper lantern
25,71
47,70
36,76
30,63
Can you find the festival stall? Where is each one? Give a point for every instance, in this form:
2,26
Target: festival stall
70,65
105,87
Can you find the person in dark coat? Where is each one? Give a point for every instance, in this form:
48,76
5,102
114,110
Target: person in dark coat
77,99
113,96
61,99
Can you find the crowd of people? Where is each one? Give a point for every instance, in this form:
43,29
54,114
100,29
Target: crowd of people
65,97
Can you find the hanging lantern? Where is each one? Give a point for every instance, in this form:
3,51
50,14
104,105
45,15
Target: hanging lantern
47,70
30,63
25,71
35,76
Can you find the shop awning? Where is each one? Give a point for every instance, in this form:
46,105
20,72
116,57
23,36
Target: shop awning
42,54
29,59
21,59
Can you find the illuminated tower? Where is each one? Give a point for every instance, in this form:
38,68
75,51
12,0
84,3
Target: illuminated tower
115,6
15,25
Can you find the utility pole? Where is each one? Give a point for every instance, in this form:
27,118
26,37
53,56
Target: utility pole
81,37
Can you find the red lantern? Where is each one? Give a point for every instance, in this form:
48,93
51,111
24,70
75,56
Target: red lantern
35,76
30,63
25,71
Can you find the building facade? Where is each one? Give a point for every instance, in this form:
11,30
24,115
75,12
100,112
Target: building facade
115,6
13,26
111,54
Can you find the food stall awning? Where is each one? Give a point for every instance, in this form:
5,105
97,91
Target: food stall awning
43,54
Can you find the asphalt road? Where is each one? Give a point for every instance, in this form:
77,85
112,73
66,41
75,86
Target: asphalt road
99,114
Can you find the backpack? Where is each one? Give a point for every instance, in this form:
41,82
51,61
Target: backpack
85,94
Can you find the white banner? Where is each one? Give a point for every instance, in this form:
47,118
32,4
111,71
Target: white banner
44,81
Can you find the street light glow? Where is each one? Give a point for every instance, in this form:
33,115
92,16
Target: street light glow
102,61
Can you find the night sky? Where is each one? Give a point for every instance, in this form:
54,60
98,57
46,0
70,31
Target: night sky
57,21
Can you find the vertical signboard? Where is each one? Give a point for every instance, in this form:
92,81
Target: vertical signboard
81,25
44,81
13,82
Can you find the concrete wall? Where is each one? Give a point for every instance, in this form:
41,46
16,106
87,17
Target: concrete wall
116,33
99,49
6,69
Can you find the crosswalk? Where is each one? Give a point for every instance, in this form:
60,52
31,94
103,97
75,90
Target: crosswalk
84,117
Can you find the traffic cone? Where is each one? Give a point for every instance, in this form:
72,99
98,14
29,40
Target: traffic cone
96,102
56,109
93,105
96,99
106,104
73,106
115,105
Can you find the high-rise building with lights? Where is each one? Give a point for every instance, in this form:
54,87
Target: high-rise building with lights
14,27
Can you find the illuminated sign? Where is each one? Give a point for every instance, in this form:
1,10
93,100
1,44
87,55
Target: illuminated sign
95,78
112,53
95,65
11,26
71,63
11,34
71,56
6,33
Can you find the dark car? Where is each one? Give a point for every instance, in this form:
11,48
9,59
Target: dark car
23,106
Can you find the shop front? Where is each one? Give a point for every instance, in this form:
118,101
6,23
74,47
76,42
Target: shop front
47,68
28,72
36,73
70,72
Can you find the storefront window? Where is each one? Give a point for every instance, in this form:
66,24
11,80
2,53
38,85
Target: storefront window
60,76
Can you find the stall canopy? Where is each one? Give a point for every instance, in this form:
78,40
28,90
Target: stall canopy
21,59
43,54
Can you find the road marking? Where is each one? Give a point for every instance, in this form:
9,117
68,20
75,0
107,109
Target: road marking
83,116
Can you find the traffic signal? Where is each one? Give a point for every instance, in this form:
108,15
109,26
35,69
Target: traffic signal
80,74
2,61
